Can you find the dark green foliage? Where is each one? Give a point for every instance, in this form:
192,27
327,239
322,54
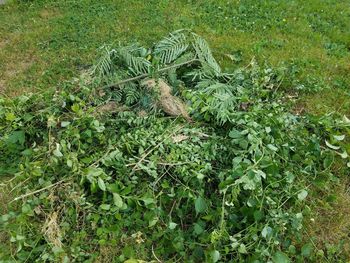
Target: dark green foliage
228,187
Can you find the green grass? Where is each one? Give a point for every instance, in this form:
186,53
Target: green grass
43,43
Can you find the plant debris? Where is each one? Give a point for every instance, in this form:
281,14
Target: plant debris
229,186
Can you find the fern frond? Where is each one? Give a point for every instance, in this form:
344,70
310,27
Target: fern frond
104,63
171,47
132,93
205,55
135,63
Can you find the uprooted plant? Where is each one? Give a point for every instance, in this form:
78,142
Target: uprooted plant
156,154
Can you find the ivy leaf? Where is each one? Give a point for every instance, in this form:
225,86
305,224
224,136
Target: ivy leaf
302,195
101,184
200,205
280,257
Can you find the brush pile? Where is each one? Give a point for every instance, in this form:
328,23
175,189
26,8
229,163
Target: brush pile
158,155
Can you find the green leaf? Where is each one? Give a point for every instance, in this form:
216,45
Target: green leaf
332,146
65,123
306,250
339,137
10,116
17,137
344,155
235,134
69,163
272,147
118,201
148,200
172,225
101,184
215,256
242,249
75,108
198,229
153,221
200,205
346,120
280,257
302,195
266,232
57,151
105,206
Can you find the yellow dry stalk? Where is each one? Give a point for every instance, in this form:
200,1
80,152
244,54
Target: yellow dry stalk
51,230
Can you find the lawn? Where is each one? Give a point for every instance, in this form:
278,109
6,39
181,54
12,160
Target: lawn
43,44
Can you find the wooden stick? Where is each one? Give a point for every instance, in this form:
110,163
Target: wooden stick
37,191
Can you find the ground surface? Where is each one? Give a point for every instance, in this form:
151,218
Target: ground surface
43,43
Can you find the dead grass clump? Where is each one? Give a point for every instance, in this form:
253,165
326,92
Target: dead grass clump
51,229
170,104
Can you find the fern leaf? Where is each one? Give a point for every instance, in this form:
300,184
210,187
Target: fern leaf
205,55
132,93
171,47
104,64
135,63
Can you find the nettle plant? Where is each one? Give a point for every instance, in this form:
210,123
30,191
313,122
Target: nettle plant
101,172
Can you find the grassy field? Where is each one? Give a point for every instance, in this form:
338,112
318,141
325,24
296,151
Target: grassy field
43,43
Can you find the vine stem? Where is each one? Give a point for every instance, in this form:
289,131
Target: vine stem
147,74
155,147
37,191
223,210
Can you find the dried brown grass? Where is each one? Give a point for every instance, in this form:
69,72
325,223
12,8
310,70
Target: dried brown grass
51,229
169,104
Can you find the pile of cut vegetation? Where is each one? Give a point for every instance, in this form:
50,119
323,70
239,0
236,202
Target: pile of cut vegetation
157,155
